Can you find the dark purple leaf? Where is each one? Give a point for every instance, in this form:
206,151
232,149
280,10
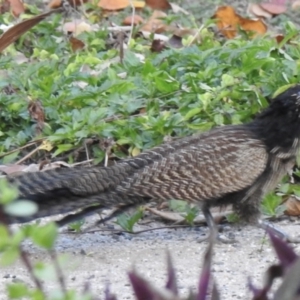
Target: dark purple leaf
141,287
285,253
108,295
289,288
204,281
273,272
257,293
171,282
215,295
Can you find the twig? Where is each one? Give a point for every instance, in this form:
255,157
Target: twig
82,163
23,254
133,232
86,151
27,156
132,22
58,270
23,147
195,36
119,28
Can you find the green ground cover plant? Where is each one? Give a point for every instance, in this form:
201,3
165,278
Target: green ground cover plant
100,104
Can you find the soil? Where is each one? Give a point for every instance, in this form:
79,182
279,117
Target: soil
100,257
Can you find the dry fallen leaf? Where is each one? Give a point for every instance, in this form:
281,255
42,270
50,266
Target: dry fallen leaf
257,26
157,46
4,6
76,44
76,27
13,33
119,4
136,20
228,21
135,151
10,169
36,112
296,4
17,7
177,9
46,145
158,4
279,38
155,23
292,206
273,8
258,11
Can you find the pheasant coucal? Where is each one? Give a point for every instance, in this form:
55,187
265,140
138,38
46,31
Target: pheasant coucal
236,164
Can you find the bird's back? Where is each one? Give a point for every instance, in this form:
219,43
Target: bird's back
199,168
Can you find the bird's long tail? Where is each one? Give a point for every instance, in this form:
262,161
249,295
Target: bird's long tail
84,190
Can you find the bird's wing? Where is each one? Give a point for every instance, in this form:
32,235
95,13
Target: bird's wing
200,168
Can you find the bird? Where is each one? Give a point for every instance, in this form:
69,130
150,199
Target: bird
230,164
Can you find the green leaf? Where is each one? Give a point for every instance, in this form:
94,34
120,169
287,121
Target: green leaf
233,218
227,80
5,237
127,222
21,208
45,271
17,290
178,205
192,113
270,204
7,159
9,256
45,236
76,226
8,193
219,119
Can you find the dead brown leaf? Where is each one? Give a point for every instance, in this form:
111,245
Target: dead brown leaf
136,20
36,112
17,7
296,4
258,11
157,46
279,38
119,4
158,4
13,33
76,44
4,6
77,26
155,23
228,21
292,207
273,8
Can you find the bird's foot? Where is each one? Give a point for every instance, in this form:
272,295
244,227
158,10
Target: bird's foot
218,237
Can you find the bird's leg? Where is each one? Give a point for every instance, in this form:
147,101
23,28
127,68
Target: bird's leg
213,228
278,231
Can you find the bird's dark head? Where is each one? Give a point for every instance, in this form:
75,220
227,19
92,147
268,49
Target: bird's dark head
280,122
286,105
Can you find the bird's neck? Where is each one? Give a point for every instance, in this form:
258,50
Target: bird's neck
280,134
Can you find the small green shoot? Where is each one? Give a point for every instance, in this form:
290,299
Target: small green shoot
232,218
76,226
127,221
272,205
188,212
